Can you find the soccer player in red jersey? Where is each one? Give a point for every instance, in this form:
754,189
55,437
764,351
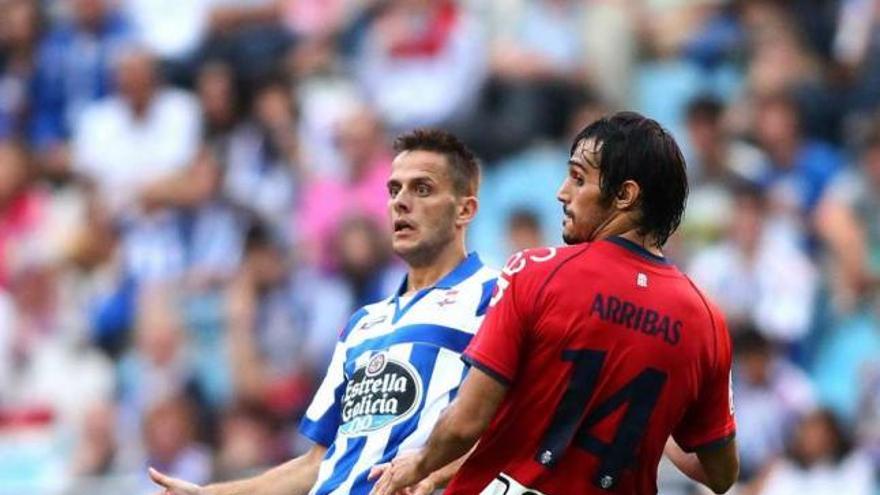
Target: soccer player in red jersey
593,354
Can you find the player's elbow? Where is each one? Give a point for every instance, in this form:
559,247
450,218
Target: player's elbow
722,482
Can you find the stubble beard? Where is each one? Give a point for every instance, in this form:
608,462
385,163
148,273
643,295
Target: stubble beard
426,252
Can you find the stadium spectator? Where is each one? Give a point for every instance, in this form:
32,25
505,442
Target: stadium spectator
74,68
282,325
327,201
821,459
170,440
422,62
263,172
109,144
536,68
364,259
757,272
771,395
524,231
798,168
219,95
848,221
716,163
20,26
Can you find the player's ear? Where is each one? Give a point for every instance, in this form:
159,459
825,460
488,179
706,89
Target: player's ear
467,209
628,195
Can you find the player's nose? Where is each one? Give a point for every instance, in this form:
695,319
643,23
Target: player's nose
401,202
562,194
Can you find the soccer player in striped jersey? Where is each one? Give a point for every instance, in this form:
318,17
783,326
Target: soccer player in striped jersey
397,364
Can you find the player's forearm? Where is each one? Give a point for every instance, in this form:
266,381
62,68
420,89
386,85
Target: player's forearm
295,477
453,437
442,476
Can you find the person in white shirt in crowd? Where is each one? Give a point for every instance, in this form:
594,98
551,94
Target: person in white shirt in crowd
422,63
758,273
143,133
821,460
771,396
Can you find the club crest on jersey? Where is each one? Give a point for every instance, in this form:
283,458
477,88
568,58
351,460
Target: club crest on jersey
381,393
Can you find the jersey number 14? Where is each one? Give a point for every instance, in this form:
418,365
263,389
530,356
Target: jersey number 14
567,427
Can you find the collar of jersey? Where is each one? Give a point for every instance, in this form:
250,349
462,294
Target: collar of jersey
468,266
638,250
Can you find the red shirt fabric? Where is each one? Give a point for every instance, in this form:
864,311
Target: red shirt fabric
607,350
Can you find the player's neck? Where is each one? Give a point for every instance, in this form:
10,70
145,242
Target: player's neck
646,242
420,277
622,226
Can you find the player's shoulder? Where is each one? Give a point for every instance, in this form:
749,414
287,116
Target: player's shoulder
363,316
540,263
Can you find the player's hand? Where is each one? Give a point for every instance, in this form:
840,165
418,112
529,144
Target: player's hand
401,477
174,486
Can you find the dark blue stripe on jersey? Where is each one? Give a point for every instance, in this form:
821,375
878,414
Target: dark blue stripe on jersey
424,359
469,266
437,335
344,465
352,322
488,290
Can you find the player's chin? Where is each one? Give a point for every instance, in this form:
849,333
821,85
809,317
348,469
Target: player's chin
569,237
404,247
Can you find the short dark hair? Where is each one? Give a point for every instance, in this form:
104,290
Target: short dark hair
464,169
634,147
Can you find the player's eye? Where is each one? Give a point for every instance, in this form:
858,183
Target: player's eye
423,189
393,190
577,178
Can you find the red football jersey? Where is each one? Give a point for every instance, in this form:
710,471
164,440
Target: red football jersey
608,350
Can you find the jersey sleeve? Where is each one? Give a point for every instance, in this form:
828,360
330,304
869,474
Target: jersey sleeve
498,344
710,422
323,415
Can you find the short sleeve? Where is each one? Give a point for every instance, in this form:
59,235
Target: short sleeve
710,420
323,415
498,344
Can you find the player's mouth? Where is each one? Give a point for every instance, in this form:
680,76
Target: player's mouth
403,227
566,215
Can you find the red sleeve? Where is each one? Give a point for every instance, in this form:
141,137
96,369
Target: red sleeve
498,345
710,422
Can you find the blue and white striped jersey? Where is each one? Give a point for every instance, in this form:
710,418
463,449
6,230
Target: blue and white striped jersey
395,368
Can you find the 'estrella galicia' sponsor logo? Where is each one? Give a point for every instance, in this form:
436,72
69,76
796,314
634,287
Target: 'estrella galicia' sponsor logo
384,392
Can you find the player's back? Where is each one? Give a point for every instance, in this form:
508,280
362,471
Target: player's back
608,350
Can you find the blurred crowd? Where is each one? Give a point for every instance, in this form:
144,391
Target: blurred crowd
192,202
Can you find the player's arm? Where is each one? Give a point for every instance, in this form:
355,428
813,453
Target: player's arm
715,467
294,477
455,433
462,423
704,445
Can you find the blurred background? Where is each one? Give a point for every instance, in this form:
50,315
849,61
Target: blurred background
192,202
